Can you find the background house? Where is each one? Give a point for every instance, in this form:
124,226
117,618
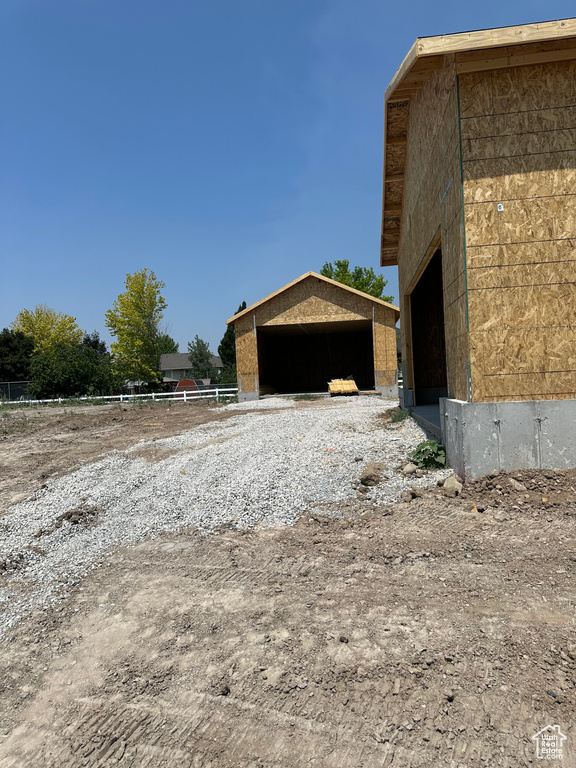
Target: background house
177,366
479,213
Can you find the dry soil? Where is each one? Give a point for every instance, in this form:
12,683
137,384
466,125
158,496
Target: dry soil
436,632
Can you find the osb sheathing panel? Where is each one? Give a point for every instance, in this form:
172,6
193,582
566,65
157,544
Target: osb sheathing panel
518,150
518,89
432,202
524,177
314,301
519,124
246,353
384,341
511,351
396,119
395,158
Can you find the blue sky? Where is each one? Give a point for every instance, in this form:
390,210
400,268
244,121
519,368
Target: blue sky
228,145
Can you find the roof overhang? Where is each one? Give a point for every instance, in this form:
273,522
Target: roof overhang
474,52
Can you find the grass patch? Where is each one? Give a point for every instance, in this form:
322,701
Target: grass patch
307,397
396,415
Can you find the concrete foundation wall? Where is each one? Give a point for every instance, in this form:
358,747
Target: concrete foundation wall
406,397
244,396
482,437
388,391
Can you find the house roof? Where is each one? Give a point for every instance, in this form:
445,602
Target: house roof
367,296
179,361
473,52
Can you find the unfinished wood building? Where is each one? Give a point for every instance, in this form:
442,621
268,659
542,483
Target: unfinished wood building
479,214
311,331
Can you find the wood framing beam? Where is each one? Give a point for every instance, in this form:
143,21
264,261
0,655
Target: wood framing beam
405,93
495,38
389,258
396,140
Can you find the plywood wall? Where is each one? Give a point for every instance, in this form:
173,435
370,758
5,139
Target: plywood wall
313,301
432,211
246,354
316,301
519,151
384,341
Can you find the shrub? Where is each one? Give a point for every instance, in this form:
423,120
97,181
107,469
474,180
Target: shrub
429,455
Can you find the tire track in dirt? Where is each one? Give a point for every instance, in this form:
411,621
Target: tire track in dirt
337,643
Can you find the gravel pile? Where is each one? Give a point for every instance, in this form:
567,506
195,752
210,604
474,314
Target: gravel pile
254,470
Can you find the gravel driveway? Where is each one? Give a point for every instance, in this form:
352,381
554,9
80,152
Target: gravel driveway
261,468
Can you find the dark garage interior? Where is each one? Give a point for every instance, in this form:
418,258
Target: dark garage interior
304,358
428,341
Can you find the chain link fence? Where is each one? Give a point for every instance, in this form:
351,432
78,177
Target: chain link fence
14,390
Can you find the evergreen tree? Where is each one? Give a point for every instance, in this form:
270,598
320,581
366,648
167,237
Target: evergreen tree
200,359
167,345
227,351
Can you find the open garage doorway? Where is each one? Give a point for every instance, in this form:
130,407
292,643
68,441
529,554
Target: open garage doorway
428,336
305,357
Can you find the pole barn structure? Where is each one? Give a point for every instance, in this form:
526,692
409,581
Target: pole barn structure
311,331
479,214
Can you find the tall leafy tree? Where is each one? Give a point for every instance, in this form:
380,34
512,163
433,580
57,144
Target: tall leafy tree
134,320
167,345
362,278
15,352
227,351
200,359
72,372
48,328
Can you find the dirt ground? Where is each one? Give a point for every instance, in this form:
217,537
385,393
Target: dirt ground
435,632
38,443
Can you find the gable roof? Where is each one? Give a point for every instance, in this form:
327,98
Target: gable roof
179,361
473,52
367,296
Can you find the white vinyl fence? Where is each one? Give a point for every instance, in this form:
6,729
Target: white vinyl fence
185,396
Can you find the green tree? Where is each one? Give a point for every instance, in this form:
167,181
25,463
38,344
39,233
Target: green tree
227,351
72,372
362,278
167,345
15,352
47,327
134,320
200,359
94,341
